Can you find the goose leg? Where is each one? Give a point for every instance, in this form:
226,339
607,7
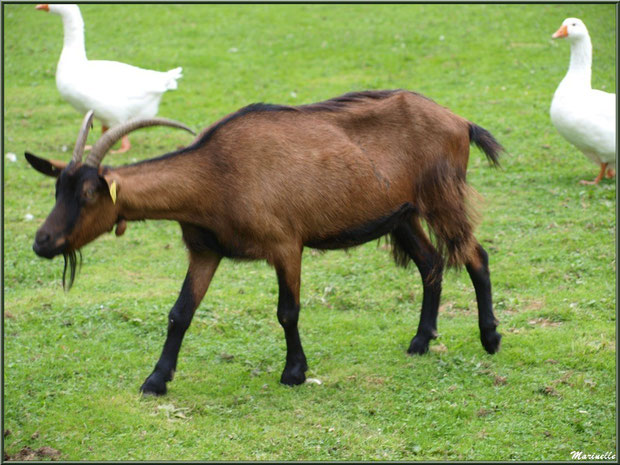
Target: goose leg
598,178
125,145
103,129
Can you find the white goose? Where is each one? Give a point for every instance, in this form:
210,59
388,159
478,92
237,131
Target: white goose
584,116
116,91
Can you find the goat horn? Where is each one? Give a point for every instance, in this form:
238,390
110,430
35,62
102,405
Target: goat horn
80,143
110,137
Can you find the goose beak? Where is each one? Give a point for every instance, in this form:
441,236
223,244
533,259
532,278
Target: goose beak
43,6
562,32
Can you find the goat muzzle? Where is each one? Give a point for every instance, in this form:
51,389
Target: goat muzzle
46,246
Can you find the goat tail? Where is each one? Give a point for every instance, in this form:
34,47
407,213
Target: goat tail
485,142
447,204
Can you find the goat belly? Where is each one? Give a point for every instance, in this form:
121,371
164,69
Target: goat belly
361,234
199,239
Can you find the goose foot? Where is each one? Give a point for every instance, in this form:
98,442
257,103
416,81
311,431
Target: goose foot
598,178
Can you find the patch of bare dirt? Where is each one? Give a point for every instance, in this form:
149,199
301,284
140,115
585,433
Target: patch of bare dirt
27,454
544,322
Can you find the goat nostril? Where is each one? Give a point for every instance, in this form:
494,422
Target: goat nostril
42,237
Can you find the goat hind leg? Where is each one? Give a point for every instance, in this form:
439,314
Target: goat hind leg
478,269
288,269
201,270
412,239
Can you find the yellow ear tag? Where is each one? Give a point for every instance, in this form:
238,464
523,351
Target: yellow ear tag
113,191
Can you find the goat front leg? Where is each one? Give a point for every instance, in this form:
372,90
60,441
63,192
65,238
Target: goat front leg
478,269
201,270
288,269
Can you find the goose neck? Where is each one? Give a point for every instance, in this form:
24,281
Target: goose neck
73,46
580,67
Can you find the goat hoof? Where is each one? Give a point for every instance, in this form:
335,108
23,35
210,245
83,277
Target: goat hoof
491,341
154,385
419,346
294,376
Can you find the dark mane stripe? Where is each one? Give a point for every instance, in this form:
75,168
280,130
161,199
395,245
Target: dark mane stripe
339,103
252,108
335,104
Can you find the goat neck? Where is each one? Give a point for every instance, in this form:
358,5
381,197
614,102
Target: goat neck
172,189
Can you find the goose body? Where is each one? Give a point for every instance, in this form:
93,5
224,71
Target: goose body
117,92
585,117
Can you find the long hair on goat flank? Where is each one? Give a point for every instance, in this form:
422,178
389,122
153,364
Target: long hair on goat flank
448,206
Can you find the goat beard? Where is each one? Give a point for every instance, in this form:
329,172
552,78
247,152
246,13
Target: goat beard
73,262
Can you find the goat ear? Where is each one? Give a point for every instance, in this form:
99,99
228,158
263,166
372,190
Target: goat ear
113,186
47,167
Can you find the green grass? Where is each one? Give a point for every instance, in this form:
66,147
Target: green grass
73,362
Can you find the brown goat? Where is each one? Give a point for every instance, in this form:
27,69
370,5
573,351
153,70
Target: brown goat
267,181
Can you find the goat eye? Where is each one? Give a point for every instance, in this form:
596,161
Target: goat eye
89,193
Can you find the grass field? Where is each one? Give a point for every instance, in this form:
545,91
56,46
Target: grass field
73,362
